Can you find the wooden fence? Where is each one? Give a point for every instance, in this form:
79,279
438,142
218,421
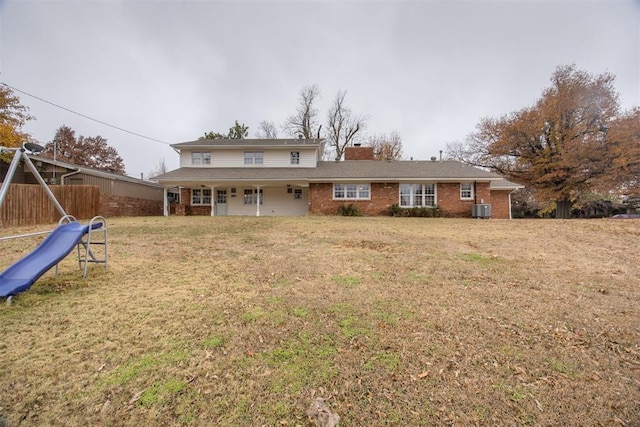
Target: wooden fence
27,204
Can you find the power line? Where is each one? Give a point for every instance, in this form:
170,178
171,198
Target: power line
85,116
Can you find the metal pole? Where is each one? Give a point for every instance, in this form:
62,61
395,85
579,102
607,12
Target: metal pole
10,173
44,185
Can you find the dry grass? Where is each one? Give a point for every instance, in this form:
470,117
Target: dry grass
393,321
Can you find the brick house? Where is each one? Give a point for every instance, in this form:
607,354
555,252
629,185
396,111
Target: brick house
287,177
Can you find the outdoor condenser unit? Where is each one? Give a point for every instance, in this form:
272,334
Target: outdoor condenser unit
481,210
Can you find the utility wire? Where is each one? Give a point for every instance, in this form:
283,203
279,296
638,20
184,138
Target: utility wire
85,116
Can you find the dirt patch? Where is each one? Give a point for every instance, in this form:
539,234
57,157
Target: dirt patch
390,321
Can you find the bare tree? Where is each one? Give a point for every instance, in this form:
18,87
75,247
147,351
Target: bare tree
159,169
304,124
344,127
267,130
386,147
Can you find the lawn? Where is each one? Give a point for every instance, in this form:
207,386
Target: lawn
243,321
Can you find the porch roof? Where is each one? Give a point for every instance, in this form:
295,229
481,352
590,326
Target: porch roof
349,170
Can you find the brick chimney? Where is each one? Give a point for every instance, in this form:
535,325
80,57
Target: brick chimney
358,153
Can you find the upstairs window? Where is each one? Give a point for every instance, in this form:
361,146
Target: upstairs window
253,157
352,191
466,191
201,158
295,157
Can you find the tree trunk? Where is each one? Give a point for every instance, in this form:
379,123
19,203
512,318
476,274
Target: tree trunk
563,209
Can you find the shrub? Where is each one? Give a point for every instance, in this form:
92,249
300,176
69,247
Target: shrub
349,210
422,212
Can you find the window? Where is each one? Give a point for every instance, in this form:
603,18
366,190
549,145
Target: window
417,195
466,190
253,157
352,191
251,196
295,157
297,193
201,158
221,196
201,196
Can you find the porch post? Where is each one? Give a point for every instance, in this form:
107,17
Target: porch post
213,200
258,202
165,202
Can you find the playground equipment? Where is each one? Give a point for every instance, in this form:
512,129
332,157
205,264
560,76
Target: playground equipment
21,275
69,233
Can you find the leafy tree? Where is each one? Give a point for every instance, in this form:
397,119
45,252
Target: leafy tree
267,130
92,152
237,131
13,115
624,135
304,123
386,147
344,127
563,146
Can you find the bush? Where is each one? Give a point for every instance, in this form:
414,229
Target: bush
421,212
349,210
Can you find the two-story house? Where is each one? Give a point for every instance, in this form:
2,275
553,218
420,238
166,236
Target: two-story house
287,177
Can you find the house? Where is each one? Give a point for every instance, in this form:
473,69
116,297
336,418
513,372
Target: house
287,177
120,195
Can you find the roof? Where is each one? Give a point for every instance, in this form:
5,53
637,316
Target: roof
245,143
504,185
348,170
93,172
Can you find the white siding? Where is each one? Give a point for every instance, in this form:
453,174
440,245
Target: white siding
277,202
235,158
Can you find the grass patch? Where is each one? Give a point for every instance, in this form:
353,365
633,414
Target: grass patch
394,321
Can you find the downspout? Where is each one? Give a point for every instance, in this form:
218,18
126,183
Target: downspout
475,193
510,215
66,175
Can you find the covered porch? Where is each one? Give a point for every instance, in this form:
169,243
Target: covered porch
244,198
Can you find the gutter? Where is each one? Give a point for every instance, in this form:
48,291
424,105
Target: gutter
67,175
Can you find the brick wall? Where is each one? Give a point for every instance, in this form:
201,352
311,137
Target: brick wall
358,153
382,196
449,198
500,204
185,208
111,205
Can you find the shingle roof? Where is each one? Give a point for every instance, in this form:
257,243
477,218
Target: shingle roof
400,170
234,143
371,170
93,171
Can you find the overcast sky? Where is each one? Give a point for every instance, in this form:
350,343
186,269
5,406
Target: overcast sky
171,70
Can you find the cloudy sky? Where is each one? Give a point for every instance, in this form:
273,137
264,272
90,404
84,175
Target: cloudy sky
171,70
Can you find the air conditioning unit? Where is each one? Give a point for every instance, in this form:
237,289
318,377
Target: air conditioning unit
481,210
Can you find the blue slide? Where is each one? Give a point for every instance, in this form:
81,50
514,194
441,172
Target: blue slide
21,275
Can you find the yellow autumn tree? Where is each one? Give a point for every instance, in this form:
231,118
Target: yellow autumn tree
13,116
